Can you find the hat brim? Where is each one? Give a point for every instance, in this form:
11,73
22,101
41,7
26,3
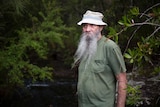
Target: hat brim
92,21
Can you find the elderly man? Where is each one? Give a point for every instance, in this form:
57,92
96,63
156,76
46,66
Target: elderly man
101,69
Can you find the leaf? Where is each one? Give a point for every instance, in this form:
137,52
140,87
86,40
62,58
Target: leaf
112,31
131,61
120,22
128,56
134,11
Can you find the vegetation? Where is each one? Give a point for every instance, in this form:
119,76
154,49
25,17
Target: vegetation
134,96
35,34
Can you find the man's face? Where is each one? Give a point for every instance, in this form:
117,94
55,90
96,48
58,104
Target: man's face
91,29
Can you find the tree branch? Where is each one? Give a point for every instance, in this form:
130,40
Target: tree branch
149,9
153,32
145,23
133,35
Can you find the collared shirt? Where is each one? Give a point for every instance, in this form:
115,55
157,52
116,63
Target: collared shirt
96,81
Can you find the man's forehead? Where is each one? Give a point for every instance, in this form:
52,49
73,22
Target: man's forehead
89,24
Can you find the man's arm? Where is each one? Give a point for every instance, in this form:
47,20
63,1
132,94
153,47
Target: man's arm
122,85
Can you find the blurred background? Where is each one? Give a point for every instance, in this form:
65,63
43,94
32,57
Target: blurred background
38,39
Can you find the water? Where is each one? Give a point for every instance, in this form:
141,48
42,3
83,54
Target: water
55,94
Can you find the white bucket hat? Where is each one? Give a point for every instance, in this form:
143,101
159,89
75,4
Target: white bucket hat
92,18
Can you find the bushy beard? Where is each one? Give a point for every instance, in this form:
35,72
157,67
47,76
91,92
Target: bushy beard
87,47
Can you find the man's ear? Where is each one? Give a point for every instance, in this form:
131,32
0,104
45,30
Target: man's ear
101,28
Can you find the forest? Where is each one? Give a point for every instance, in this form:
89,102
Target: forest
38,39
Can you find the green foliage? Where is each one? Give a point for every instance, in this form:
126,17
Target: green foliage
127,20
133,95
18,58
131,55
142,34
113,34
148,45
156,71
16,7
141,53
134,11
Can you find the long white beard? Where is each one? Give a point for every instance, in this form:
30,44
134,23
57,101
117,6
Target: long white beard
87,47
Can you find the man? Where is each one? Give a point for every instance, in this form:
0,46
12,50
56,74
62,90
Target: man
101,66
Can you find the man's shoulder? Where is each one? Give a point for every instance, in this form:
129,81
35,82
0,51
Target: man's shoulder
110,43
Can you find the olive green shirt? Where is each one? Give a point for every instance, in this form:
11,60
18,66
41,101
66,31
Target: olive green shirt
96,81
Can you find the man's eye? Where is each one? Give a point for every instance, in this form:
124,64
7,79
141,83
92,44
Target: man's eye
84,24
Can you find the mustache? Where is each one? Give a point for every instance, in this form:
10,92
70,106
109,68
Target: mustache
90,35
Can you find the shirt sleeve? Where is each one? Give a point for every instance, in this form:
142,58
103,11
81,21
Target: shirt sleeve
116,60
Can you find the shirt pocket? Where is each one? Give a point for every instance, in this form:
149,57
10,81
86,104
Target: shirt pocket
98,66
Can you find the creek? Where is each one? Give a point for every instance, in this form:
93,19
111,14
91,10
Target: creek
62,93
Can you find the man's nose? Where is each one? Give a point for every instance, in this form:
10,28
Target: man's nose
88,28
